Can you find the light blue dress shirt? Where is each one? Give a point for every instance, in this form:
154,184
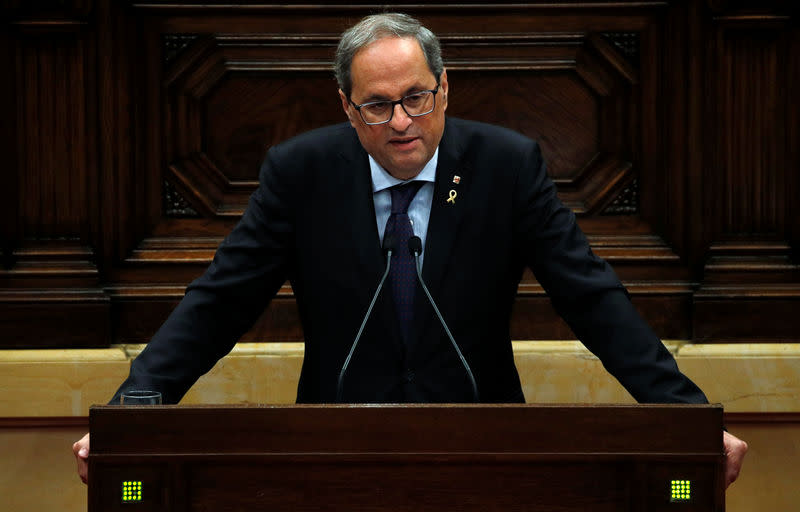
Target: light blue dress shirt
419,211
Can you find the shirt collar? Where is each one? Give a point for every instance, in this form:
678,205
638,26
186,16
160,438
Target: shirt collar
381,180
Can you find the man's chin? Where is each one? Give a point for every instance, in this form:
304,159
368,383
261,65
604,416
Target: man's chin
405,166
405,170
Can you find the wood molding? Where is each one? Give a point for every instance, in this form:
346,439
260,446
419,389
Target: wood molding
602,5
52,284
44,423
730,418
42,18
750,288
763,418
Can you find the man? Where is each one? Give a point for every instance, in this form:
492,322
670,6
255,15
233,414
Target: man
480,201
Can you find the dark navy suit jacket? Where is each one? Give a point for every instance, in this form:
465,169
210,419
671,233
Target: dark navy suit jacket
312,221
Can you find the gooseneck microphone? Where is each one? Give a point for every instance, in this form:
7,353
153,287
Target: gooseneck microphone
415,247
388,247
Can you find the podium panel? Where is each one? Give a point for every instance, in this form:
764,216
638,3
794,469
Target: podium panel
407,458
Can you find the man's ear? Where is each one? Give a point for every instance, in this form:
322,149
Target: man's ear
346,107
444,87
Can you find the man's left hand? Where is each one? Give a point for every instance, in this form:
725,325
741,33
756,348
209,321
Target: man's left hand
735,450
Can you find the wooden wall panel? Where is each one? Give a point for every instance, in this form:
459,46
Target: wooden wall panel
750,86
53,176
50,290
751,280
138,128
9,230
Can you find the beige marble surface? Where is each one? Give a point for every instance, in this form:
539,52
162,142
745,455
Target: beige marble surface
271,371
746,378
37,470
564,372
742,377
58,382
770,474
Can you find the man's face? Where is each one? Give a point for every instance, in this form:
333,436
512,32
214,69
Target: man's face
389,69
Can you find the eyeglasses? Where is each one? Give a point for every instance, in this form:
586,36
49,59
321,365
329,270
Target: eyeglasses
414,105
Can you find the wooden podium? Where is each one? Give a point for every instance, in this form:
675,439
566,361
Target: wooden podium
407,458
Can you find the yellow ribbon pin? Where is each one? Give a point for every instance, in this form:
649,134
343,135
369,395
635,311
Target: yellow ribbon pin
452,198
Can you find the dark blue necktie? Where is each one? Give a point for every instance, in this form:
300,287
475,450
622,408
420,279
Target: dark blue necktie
403,271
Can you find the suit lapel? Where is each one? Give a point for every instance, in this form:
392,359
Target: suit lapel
356,185
450,199
365,240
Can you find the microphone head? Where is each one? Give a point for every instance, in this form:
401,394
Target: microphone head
389,243
415,245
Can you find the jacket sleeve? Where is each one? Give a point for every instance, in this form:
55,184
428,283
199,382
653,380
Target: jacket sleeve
588,295
248,269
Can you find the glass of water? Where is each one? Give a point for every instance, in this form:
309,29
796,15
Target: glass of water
140,397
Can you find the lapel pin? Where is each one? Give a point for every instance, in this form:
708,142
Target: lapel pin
452,198
456,179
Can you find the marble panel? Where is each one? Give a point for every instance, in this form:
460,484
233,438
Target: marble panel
742,377
58,382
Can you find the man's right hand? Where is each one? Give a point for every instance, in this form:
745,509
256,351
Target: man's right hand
81,451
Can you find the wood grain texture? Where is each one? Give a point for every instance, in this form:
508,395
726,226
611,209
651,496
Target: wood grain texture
751,275
408,457
670,128
52,140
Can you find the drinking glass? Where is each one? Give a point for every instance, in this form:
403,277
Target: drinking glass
140,397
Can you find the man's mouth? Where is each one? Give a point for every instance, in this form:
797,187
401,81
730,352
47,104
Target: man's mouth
403,142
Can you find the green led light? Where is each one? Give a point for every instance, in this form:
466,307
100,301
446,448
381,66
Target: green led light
681,490
131,491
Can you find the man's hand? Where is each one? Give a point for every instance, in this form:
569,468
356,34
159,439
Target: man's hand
735,450
81,451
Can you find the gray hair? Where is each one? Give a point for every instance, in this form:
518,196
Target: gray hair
379,26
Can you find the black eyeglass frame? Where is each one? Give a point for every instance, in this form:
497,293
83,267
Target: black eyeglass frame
396,102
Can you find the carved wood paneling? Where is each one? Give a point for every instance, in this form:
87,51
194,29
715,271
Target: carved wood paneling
751,276
231,97
627,203
228,99
122,142
48,16
175,205
53,136
575,94
50,290
53,292
9,209
138,128
750,170
750,290
675,180
226,91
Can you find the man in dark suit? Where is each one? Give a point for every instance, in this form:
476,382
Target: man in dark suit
479,199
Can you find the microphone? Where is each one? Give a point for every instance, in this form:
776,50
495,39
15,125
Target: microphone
388,247
415,247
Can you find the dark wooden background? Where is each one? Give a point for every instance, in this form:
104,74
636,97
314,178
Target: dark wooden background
133,132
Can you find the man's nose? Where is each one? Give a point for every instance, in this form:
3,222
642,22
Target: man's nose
400,120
